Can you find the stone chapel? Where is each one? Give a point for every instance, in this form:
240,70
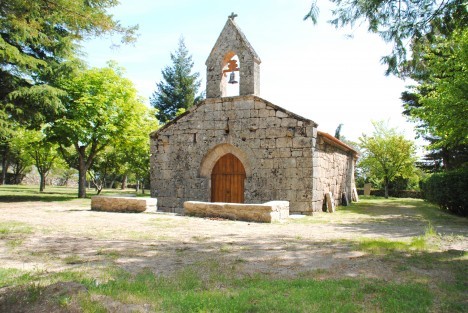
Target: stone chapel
244,149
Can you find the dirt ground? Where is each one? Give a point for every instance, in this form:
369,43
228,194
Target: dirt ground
73,237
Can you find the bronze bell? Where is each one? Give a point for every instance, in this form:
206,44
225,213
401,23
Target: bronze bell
232,78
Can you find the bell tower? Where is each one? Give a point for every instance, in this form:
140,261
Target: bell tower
232,61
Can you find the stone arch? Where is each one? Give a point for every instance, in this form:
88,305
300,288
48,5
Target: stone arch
215,153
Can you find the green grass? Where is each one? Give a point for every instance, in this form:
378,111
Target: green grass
21,193
384,246
14,228
73,259
214,287
427,278
14,233
189,292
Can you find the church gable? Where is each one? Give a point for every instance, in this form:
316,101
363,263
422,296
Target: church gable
210,108
232,38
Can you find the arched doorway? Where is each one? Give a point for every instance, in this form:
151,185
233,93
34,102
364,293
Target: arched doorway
227,180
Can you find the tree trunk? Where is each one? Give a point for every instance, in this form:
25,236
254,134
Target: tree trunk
137,187
4,170
124,182
42,182
386,188
82,177
111,184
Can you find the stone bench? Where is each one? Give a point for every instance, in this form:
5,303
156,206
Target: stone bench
123,204
273,211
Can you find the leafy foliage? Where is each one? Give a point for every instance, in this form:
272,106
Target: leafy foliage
179,87
128,153
19,158
43,152
443,94
101,107
399,22
448,190
438,103
36,39
387,155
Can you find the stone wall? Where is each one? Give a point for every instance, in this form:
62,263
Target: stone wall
274,145
333,171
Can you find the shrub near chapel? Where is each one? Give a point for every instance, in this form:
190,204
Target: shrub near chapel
448,190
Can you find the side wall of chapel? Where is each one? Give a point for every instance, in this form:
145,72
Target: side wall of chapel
333,172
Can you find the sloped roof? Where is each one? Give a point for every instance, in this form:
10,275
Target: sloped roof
337,143
231,24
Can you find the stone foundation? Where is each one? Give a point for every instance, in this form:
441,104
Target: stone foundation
123,204
269,212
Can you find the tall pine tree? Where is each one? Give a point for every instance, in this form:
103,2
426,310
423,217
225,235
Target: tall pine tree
178,90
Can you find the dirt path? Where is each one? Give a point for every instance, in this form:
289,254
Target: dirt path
70,236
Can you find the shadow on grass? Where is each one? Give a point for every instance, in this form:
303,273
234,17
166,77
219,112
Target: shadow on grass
20,193
36,198
402,218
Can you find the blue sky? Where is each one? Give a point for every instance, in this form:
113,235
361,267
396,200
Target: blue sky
315,71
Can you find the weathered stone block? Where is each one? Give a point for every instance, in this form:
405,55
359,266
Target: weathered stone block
122,204
281,114
367,189
284,142
273,211
288,122
262,113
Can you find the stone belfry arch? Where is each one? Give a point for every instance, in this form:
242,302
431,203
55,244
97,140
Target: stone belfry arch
232,42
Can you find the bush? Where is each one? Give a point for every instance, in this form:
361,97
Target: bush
393,193
449,190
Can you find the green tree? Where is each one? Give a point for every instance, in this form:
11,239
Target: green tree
399,22
443,94
132,151
101,106
338,131
179,87
128,154
387,155
36,39
19,157
138,146
105,167
43,152
6,134
438,103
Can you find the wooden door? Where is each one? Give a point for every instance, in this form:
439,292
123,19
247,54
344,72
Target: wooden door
227,180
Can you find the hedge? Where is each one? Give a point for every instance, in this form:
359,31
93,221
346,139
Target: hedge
449,190
393,193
